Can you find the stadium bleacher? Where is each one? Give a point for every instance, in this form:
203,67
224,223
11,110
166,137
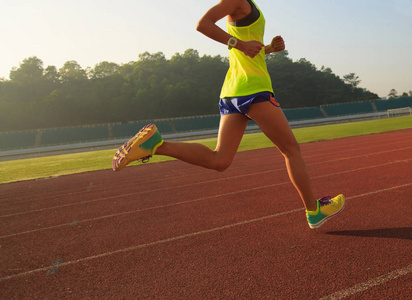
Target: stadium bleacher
196,123
305,113
384,105
122,130
352,108
103,132
67,135
17,139
164,125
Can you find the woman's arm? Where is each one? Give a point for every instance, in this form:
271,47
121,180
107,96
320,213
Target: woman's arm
207,26
277,45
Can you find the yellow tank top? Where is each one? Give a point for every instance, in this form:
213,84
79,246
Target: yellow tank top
247,75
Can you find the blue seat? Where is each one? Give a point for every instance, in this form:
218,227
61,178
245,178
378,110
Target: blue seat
305,113
351,108
17,140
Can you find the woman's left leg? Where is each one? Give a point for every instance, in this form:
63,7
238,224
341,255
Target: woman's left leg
275,126
231,129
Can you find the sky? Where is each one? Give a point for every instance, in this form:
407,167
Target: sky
371,38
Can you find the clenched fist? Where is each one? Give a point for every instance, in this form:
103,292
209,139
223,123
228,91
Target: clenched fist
277,44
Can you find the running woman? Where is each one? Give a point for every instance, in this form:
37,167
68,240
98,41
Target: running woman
246,94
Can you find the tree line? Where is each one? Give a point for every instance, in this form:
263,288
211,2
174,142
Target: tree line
153,87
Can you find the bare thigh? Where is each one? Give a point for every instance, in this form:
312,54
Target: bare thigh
275,126
231,130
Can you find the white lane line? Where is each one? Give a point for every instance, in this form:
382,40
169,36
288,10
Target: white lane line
378,191
369,284
172,239
191,201
182,176
210,181
128,249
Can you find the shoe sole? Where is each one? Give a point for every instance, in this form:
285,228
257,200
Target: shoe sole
119,162
317,225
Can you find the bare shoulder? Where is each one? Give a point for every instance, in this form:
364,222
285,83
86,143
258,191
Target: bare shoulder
234,6
224,8
238,8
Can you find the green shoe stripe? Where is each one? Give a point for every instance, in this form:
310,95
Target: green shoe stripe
153,142
314,219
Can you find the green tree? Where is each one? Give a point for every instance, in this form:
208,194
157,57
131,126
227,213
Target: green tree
72,71
352,79
153,87
393,94
29,72
104,69
52,75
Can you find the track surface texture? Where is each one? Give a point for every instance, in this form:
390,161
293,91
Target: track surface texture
175,231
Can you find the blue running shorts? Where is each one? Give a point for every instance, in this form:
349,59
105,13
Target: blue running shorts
242,104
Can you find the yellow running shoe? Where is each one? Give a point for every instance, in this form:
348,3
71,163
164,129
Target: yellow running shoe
327,208
142,146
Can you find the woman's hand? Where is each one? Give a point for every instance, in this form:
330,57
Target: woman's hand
277,44
250,48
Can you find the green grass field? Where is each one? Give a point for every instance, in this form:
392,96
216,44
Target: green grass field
52,166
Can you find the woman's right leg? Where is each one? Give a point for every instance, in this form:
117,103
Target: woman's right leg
275,126
231,129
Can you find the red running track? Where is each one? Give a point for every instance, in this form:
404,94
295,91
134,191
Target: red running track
175,231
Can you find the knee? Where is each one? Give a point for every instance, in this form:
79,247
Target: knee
290,150
221,166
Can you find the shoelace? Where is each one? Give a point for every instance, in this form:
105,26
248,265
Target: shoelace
325,200
146,159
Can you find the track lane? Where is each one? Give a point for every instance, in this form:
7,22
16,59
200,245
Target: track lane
207,247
